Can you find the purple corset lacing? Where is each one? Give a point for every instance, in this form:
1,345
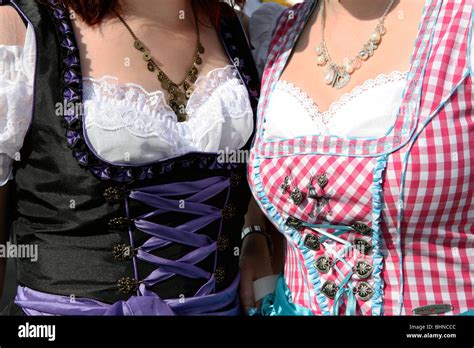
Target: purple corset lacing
160,198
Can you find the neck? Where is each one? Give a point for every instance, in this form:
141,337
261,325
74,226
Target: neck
359,9
175,14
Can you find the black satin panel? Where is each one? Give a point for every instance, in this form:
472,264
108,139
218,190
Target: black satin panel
60,206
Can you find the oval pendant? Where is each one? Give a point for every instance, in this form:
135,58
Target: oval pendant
330,75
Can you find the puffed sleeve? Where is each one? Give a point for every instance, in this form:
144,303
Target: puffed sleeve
16,98
261,26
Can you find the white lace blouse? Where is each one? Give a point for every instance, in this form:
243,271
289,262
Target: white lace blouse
125,124
375,102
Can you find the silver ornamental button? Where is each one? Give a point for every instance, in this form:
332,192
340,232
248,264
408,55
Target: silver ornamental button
364,291
433,309
312,242
286,184
323,264
362,246
363,269
362,228
322,181
330,289
297,196
295,223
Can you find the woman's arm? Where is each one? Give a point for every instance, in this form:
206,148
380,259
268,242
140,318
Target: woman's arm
3,232
12,33
255,259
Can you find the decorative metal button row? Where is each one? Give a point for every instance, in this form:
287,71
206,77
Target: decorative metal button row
129,285
364,291
363,269
358,226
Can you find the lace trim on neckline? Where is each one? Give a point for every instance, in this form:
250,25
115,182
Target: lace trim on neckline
147,115
324,117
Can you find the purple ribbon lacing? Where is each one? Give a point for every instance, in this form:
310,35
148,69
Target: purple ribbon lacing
204,301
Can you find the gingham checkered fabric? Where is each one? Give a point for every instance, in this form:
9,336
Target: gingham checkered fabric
414,187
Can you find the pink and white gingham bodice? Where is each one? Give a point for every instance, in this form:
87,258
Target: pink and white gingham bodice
411,190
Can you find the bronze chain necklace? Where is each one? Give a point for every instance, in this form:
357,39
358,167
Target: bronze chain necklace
178,93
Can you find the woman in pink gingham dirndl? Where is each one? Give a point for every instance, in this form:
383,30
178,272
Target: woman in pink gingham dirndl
375,223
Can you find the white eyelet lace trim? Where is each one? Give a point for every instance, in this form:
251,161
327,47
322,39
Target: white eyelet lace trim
323,118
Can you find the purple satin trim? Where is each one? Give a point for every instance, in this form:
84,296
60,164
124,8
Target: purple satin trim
184,266
40,303
184,236
173,205
184,188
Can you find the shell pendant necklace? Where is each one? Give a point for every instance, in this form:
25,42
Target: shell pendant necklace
339,75
178,93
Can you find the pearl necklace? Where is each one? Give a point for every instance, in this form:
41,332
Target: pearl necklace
339,75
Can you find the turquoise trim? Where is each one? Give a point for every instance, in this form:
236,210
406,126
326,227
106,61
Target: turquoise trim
279,222
377,206
468,313
279,303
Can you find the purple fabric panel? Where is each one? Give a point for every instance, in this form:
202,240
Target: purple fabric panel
39,303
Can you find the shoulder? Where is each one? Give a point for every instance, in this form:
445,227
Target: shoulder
12,28
265,18
262,25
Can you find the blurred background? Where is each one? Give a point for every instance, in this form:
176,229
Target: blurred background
252,5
